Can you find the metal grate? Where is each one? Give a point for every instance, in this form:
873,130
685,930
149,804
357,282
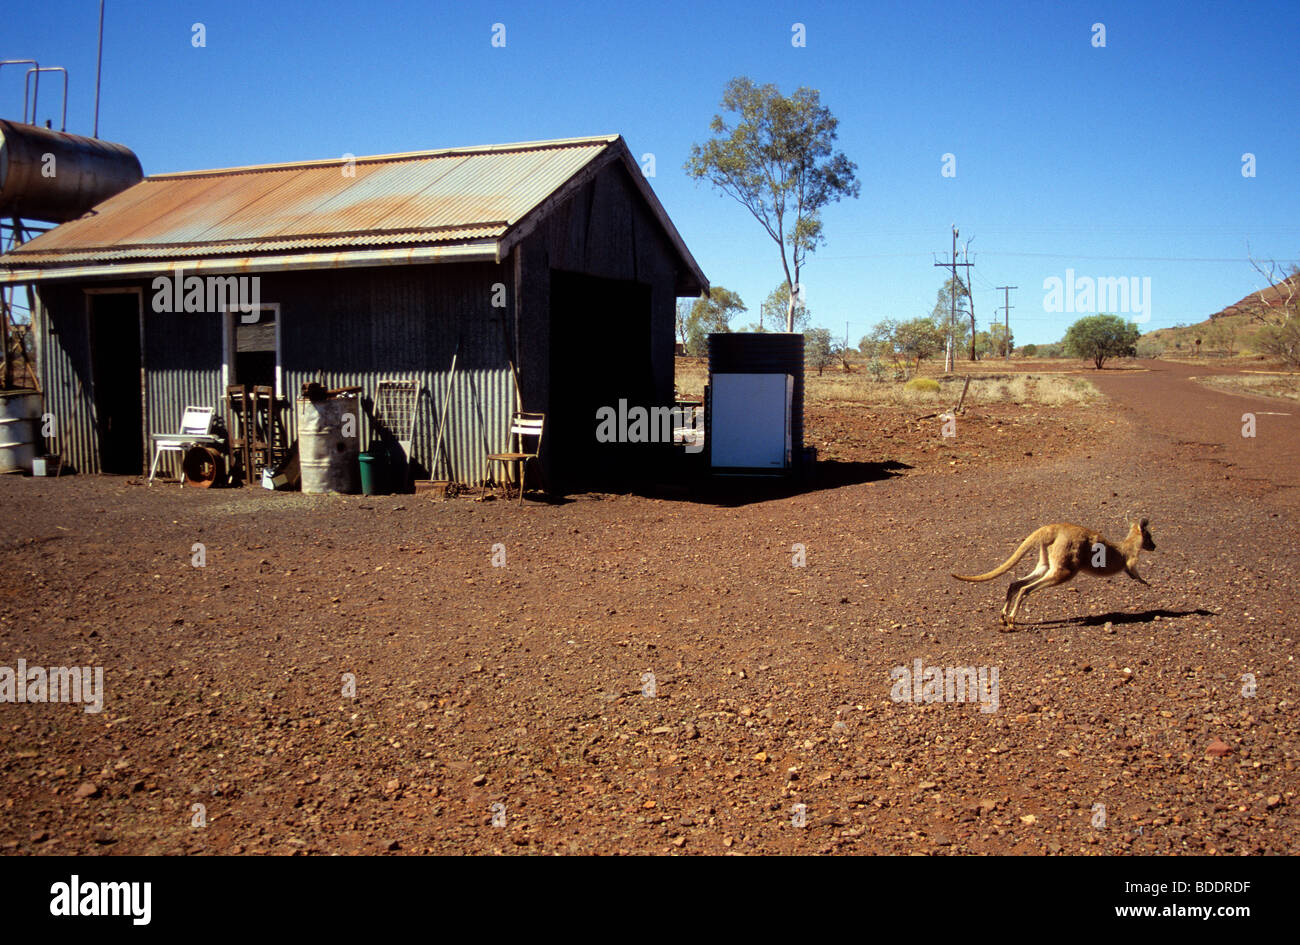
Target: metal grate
395,406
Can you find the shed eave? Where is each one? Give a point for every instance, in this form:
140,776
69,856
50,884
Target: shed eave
351,259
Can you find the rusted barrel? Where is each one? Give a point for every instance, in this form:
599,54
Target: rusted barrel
329,444
20,421
203,466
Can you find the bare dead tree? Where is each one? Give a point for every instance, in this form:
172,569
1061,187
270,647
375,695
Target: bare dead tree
1278,310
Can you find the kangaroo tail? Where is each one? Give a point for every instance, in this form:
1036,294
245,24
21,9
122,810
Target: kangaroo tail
1005,566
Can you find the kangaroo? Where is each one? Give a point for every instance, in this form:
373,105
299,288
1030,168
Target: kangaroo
1063,551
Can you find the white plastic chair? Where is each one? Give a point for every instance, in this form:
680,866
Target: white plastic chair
196,427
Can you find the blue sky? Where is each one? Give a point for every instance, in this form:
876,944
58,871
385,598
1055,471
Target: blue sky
1122,161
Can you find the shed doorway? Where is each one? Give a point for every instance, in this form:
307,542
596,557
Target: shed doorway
601,346
115,365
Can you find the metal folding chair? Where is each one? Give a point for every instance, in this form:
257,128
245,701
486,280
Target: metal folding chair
521,425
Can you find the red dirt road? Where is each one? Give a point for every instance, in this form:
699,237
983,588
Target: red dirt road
509,709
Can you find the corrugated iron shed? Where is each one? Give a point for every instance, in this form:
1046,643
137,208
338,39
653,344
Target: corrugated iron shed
453,204
559,255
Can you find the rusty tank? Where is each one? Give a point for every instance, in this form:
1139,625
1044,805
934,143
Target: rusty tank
54,176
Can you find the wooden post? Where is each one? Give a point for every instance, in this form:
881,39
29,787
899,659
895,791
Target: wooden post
962,400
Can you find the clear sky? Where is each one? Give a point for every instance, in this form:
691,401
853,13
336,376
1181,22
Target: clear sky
1115,161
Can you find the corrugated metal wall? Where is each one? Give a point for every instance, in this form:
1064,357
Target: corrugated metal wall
359,328
364,325
63,366
478,417
182,360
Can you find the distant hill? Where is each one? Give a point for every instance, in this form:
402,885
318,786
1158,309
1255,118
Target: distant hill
1267,300
1237,322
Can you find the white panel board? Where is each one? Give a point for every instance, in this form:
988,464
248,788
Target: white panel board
751,420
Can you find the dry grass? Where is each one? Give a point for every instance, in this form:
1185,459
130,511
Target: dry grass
692,375
1286,386
1045,389
1048,390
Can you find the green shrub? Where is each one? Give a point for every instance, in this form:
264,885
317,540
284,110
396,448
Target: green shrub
1030,351
927,384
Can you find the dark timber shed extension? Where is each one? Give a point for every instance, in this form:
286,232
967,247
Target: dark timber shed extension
555,256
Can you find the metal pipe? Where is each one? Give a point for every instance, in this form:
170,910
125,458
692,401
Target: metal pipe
38,90
63,122
99,67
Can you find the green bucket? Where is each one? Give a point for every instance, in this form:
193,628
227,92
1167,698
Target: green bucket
374,473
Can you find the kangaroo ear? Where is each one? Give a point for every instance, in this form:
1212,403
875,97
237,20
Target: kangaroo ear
1143,523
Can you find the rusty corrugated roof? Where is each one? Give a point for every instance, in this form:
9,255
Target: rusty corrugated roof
423,206
432,197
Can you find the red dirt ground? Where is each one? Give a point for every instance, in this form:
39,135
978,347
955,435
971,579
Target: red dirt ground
522,686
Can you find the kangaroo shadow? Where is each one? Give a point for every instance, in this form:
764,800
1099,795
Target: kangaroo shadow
1145,616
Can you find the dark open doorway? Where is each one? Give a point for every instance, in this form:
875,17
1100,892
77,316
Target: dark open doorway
601,346
115,367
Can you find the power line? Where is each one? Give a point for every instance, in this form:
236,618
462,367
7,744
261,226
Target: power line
1190,259
1198,259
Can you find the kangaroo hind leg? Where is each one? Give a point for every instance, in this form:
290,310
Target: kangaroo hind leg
1050,579
1016,586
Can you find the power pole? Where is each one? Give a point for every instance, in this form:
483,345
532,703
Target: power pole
970,297
99,68
952,293
1006,311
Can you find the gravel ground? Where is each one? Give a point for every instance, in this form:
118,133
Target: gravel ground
652,674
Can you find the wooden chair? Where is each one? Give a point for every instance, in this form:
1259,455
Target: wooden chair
239,414
257,437
266,446
521,425
196,428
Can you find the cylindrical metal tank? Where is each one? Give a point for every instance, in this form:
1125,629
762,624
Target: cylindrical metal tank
20,422
329,444
55,176
764,352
